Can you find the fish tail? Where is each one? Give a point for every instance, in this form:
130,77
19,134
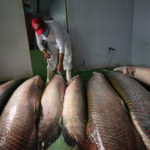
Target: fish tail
39,82
55,134
68,138
85,144
43,145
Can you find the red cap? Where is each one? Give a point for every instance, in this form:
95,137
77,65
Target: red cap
38,25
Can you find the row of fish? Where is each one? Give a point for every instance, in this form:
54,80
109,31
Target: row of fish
19,125
107,126
66,107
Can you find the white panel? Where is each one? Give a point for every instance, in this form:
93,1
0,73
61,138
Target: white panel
97,24
33,6
14,50
43,6
141,33
57,10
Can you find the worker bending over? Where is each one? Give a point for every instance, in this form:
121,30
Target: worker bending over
52,40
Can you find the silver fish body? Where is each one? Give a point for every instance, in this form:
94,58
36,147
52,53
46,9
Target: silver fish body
51,111
74,112
137,99
142,74
109,126
6,89
19,117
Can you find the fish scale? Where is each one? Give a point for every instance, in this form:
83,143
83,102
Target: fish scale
137,99
109,126
19,117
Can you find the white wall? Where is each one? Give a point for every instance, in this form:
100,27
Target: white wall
141,33
33,6
43,6
57,10
97,24
14,49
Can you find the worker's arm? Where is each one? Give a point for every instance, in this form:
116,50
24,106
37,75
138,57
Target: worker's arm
41,47
60,63
60,44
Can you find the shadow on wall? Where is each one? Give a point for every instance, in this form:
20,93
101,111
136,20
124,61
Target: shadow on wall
79,57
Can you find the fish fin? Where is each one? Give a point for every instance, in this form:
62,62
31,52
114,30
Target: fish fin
38,82
51,138
85,144
68,138
130,71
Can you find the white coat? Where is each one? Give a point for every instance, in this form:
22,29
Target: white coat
57,42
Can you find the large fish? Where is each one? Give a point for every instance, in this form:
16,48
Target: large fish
74,118
52,104
6,89
140,73
137,99
18,119
109,126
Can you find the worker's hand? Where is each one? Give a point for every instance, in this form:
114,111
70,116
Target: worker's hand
46,54
59,68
